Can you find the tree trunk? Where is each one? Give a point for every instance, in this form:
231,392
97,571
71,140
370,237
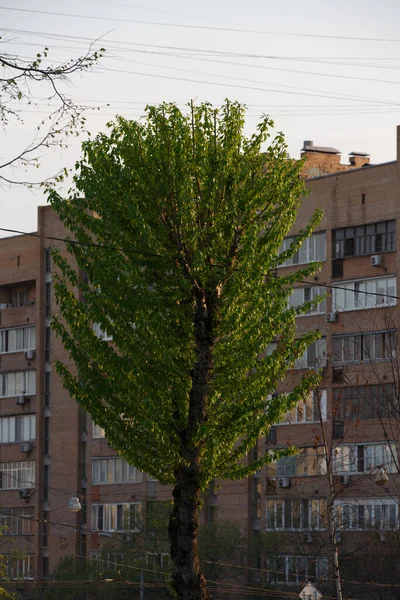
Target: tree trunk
188,581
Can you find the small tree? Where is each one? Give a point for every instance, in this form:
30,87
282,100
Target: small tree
22,81
179,221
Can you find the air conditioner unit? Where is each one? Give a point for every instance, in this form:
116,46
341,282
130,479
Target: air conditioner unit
29,354
376,260
21,399
345,479
25,493
283,482
26,447
331,317
308,538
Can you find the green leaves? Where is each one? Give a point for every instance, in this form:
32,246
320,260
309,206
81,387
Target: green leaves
179,221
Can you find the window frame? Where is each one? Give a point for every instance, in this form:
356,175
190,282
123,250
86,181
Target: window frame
12,473
319,310
26,390
5,339
111,513
9,424
310,402
305,520
390,350
369,517
114,468
305,247
357,293
358,457
356,243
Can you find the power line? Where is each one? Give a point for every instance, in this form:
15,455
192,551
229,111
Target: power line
314,94
206,51
201,27
154,255
203,59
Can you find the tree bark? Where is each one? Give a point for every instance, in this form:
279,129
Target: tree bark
188,581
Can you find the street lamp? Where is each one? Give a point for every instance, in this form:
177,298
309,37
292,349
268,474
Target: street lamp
74,505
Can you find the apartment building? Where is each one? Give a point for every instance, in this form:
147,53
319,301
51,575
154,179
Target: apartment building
340,494
50,451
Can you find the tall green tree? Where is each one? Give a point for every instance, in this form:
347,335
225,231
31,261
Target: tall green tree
179,220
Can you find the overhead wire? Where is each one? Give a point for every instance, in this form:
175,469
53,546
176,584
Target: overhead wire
223,62
200,27
152,255
208,52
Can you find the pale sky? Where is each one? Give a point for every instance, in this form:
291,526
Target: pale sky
297,61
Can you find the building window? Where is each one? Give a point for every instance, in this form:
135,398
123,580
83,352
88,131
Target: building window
362,294
365,239
360,347
46,436
114,470
47,344
116,517
101,333
307,294
16,521
360,458
21,428
312,249
366,401
17,475
314,356
309,461
47,392
47,260
296,568
47,299
20,298
366,513
97,431
18,567
309,410
14,384
17,339
295,514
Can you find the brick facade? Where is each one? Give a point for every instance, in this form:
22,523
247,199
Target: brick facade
350,195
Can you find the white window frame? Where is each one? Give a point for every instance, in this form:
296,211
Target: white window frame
308,251
353,347
355,296
28,334
17,475
285,574
18,567
111,516
97,431
101,333
115,469
346,458
317,349
16,521
23,424
299,415
25,383
381,514
298,298
311,517
309,462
